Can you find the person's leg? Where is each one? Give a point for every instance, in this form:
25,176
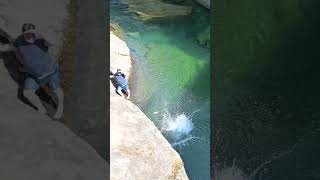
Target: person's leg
126,88
128,92
60,96
54,85
119,91
29,92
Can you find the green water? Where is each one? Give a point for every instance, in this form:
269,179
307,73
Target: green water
267,123
172,77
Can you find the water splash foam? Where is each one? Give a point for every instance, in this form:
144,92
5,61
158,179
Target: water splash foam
177,128
179,125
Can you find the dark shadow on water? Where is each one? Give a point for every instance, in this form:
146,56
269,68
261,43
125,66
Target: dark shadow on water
268,109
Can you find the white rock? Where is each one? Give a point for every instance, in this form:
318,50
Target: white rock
46,15
138,149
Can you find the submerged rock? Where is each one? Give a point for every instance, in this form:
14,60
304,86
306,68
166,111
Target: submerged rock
148,9
138,149
203,38
156,9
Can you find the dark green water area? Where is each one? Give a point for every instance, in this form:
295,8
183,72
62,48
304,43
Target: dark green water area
171,79
267,92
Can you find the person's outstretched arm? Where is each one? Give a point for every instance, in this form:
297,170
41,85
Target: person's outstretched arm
6,47
123,75
45,41
11,47
18,56
111,74
17,53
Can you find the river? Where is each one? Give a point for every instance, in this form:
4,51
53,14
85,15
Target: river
171,80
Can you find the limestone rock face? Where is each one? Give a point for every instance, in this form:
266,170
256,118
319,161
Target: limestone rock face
119,55
47,15
35,147
138,149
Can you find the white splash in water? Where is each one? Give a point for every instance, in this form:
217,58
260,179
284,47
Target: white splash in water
179,125
183,142
177,128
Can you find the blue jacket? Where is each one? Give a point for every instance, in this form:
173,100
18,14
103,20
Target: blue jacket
36,59
120,79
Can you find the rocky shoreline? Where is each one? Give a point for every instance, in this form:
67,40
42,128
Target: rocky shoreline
138,149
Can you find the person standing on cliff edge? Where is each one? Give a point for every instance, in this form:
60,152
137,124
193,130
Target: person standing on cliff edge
42,70
122,83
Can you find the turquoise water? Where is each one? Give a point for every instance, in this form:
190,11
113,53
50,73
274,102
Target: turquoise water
171,80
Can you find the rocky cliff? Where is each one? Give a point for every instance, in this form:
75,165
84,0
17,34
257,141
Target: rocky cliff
35,147
32,145
138,149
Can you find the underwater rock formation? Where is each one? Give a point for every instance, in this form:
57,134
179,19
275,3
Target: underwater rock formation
203,38
148,9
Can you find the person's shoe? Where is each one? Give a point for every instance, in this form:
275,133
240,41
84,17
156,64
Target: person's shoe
128,97
42,111
57,115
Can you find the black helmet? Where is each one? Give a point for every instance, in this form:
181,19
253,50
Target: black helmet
28,27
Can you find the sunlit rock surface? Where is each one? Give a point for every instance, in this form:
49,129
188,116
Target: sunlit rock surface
138,149
47,15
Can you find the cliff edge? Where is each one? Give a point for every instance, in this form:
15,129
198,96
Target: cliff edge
138,149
